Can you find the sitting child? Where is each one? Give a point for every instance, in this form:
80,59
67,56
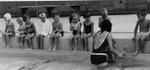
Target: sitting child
9,30
21,36
144,26
57,32
75,27
30,31
88,31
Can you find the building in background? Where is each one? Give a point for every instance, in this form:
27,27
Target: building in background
18,8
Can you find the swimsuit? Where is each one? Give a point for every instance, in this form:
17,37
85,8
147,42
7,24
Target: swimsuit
9,29
88,28
98,59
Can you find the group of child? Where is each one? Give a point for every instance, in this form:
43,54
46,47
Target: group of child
53,31
102,40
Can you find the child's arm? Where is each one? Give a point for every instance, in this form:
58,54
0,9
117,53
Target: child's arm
135,30
71,27
13,27
34,29
61,28
79,29
6,28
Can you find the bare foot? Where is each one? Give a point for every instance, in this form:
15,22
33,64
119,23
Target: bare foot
136,53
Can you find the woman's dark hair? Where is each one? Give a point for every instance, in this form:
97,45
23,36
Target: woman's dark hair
106,26
25,17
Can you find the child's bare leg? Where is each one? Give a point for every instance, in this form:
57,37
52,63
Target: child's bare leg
87,45
76,44
142,44
38,41
137,41
7,41
57,42
84,44
27,41
31,43
4,38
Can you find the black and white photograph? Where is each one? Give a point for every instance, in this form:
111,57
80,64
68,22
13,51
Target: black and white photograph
74,35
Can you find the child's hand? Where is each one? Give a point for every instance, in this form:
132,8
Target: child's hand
134,38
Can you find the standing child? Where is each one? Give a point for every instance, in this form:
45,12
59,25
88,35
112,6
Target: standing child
57,32
21,36
75,27
30,31
88,31
9,30
144,26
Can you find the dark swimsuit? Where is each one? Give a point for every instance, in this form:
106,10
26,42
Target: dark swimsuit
88,28
30,29
98,59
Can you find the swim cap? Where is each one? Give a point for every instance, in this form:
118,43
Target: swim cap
7,16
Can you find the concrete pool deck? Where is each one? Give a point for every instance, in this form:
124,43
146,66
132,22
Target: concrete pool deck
27,59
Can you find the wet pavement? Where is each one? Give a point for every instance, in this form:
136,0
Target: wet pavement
27,59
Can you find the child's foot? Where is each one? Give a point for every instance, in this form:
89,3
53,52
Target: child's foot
136,53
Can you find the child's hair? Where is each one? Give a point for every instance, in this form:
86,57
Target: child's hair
87,15
55,14
25,17
7,16
42,14
142,12
19,18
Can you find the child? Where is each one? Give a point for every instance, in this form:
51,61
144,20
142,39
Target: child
144,26
45,30
9,30
56,32
30,31
88,31
21,36
75,27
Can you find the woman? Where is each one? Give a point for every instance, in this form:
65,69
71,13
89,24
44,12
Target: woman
88,31
103,47
9,30
75,27
57,31
30,31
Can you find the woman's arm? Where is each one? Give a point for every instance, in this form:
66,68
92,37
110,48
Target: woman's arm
114,51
